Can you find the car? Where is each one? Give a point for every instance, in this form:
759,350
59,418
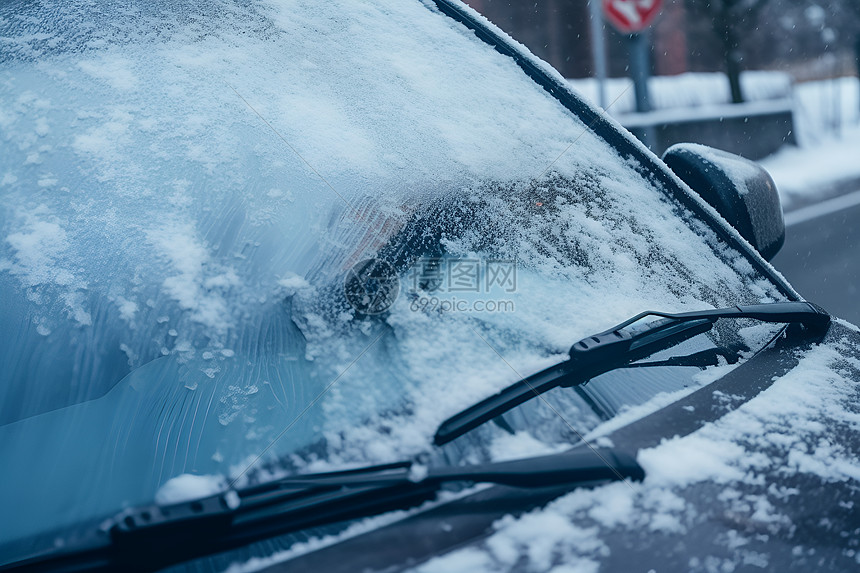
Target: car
365,286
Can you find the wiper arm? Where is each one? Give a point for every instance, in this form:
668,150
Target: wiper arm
618,347
153,537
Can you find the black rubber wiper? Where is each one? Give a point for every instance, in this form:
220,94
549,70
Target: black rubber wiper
152,537
617,348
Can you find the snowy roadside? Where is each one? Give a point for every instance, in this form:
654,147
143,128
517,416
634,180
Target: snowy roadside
807,174
826,161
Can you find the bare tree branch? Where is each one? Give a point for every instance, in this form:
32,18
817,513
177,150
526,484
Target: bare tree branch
730,19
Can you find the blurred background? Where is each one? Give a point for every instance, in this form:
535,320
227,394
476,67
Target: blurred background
772,80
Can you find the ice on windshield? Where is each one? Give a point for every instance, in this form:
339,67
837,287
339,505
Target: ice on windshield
183,189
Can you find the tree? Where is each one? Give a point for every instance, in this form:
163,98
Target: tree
730,21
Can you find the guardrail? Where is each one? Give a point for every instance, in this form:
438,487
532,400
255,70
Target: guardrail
753,130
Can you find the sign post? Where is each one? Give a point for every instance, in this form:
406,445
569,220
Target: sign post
598,50
639,70
633,17
857,56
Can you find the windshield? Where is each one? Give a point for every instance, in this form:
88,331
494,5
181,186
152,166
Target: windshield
185,189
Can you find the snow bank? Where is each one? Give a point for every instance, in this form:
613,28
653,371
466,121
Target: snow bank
827,118
690,90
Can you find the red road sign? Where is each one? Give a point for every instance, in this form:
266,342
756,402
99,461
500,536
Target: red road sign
631,16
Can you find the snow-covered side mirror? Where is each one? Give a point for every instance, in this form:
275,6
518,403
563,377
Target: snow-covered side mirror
740,189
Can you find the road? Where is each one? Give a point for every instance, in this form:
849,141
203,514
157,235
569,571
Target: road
821,256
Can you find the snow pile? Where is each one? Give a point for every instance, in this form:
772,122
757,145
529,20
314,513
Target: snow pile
544,541
690,90
827,119
187,487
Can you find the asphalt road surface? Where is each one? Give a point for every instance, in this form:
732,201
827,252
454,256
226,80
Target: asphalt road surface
821,256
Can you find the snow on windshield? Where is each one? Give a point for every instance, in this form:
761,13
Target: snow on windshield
183,187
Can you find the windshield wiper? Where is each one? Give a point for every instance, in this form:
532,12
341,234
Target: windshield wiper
618,347
152,537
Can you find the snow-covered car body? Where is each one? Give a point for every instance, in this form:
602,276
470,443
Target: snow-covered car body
184,190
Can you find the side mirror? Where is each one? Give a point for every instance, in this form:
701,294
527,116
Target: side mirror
739,189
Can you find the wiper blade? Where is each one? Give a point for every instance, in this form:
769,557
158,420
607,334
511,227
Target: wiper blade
701,359
618,347
152,537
